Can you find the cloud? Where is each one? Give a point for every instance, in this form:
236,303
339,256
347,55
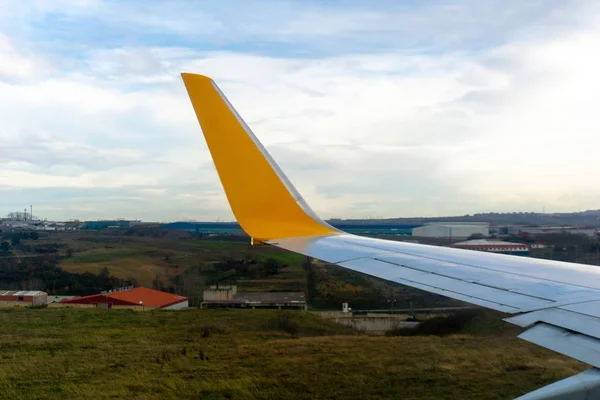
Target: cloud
438,108
48,152
18,65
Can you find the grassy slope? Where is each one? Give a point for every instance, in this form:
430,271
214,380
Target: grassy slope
100,354
143,258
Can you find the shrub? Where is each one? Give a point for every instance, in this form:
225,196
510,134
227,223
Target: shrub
206,331
285,322
439,326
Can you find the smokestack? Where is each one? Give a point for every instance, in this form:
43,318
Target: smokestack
24,214
31,212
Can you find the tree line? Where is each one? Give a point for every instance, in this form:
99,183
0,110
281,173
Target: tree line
43,273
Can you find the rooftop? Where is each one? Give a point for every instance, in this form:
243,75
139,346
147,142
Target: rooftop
459,224
489,243
21,293
264,298
147,297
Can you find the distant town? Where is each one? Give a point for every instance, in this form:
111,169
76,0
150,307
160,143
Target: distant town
585,222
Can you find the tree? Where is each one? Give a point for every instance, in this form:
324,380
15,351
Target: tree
15,240
285,321
271,266
34,235
4,247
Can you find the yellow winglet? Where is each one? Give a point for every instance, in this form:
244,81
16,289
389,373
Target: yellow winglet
263,200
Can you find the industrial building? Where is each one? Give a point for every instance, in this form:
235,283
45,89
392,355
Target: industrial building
57,299
452,230
494,246
22,298
545,230
228,296
132,297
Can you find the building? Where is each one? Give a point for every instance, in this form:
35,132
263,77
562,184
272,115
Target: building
222,292
545,230
228,296
132,297
22,298
538,246
104,224
494,246
15,224
452,230
57,299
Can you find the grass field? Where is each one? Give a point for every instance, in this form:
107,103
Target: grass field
242,354
146,258
187,265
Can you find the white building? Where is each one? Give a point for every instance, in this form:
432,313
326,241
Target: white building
452,230
22,297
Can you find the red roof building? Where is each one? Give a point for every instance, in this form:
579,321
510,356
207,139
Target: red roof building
140,297
494,246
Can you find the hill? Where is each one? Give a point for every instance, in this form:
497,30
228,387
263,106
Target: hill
583,218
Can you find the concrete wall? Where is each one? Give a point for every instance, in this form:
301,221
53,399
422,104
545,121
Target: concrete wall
374,325
222,293
178,306
40,299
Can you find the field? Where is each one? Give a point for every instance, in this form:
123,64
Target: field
188,264
146,259
246,354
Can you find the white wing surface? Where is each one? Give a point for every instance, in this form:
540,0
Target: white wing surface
558,302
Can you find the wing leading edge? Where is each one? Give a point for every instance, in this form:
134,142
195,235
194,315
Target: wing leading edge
559,302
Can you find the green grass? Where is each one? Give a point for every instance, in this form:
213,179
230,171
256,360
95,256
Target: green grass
146,258
107,255
217,244
284,257
240,354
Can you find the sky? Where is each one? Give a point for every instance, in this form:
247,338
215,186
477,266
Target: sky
385,108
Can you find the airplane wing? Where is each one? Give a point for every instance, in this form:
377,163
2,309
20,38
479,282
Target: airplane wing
558,302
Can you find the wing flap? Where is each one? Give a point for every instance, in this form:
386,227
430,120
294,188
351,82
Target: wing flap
468,278
583,386
573,344
501,300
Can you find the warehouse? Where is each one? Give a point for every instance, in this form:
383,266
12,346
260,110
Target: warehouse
452,230
139,297
546,230
494,246
22,298
228,296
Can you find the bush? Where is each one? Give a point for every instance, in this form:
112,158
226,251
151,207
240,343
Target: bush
284,321
206,331
439,326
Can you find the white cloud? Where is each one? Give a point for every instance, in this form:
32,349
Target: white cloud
18,65
381,133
